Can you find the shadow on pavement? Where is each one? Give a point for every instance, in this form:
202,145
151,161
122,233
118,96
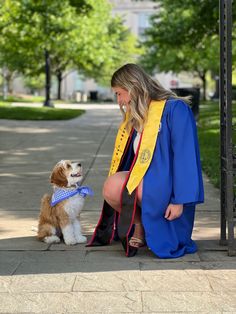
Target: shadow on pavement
26,255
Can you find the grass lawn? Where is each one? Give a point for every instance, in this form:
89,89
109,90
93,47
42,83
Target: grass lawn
12,98
37,113
33,99
209,139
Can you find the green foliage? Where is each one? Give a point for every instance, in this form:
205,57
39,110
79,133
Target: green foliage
34,82
187,21
31,113
184,36
76,33
209,139
11,98
107,43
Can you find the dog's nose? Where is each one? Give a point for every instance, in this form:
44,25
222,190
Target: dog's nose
79,165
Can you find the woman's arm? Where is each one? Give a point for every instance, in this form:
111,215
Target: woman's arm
173,211
187,185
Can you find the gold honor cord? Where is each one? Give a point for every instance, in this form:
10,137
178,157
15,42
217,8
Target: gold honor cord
120,144
146,150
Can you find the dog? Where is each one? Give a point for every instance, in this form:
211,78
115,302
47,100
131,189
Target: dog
59,213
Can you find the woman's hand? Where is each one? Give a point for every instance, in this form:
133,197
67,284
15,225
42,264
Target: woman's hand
173,211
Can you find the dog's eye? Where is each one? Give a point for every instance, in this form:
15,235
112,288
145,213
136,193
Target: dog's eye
68,166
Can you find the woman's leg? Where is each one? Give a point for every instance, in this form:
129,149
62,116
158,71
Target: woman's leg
112,191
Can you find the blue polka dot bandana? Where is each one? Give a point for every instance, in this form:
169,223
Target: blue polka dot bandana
61,194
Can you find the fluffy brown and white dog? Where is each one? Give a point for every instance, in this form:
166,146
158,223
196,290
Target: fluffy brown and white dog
59,213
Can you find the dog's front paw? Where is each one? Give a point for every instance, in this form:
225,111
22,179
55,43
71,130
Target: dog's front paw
52,239
81,239
70,241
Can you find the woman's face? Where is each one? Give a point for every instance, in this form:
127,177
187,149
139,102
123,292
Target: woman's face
123,97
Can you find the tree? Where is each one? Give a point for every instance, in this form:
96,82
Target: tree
98,57
98,44
34,83
184,36
34,26
69,34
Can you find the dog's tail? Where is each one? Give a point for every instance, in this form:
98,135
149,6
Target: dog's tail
44,231
44,227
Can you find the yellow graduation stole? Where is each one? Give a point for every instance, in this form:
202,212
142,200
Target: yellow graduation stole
146,150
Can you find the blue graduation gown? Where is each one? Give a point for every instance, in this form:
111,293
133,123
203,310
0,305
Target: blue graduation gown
174,176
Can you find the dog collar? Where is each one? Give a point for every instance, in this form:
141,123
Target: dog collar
61,194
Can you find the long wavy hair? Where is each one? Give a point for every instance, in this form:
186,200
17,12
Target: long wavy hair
142,88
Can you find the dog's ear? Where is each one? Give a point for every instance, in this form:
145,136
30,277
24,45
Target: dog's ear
58,176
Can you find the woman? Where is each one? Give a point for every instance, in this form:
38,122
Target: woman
155,178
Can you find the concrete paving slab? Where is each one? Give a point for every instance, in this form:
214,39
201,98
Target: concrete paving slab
142,281
39,267
207,256
210,245
207,225
8,268
184,312
188,301
224,280
110,266
22,244
43,256
73,302
17,225
144,254
109,281
101,256
190,267
81,247
212,197
219,265
39,283
170,265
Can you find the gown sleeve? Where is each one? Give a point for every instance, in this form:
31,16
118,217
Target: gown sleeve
187,185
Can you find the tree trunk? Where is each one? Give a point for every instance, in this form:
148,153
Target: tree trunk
47,102
4,85
202,75
9,81
204,85
59,80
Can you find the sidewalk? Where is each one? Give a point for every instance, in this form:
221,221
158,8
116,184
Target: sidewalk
39,278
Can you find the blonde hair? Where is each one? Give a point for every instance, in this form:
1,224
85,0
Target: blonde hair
142,88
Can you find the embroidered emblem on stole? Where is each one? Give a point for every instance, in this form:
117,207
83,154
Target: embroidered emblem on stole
145,155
